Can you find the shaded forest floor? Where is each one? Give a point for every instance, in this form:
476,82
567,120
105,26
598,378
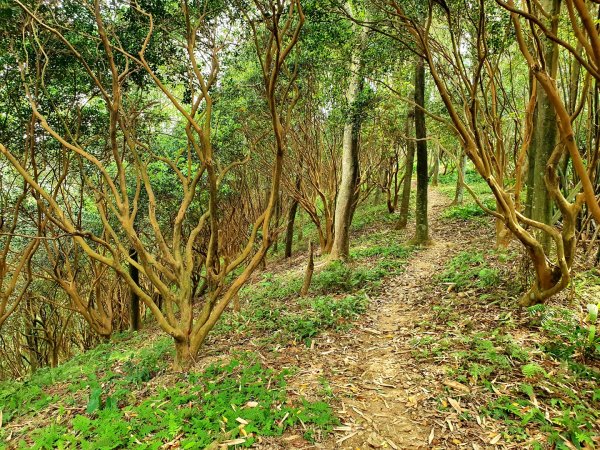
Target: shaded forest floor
402,348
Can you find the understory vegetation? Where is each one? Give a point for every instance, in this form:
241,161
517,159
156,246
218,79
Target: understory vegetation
535,372
122,394
115,402
340,224
545,393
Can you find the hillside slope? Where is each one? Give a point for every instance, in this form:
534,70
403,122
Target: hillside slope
403,348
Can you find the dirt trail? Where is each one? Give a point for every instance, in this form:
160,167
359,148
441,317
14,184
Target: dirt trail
371,369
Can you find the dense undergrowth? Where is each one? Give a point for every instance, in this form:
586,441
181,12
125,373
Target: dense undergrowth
106,399
534,372
122,394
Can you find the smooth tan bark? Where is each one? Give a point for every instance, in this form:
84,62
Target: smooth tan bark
408,171
348,191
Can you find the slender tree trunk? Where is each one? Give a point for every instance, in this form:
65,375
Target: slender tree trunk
278,207
545,136
300,227
422,228
396,182
289,234
310,268
573,92
435,172
134,302
346,199
459,194
407,182
388,199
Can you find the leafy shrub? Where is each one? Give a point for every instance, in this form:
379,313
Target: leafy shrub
566,335
468,270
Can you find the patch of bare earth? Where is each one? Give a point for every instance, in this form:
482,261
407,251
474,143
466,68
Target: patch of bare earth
380,387
387,395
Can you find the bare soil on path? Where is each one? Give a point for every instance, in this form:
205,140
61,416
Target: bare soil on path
384,393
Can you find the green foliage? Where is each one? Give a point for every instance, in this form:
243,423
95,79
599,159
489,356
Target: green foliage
337,295
327,313
120,404
573,424
472,177
477,358
560,403
280,287
516,414
568,337
391,251
317,314
339,277
265,311
196,411
470,270
88,372
533,370
370,215
468,210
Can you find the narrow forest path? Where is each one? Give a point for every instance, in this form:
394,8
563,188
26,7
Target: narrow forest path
371,370
378,364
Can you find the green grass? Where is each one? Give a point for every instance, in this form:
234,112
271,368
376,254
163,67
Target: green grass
121,394
472,178
370,214
558,400
238,399
470,270
468,210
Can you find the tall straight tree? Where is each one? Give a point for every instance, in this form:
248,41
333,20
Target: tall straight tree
410,158
422,226
346,200
545,131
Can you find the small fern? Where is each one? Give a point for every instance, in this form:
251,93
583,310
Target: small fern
533,370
